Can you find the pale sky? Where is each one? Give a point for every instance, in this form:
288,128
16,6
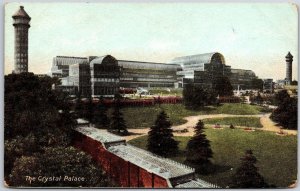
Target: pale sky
252,36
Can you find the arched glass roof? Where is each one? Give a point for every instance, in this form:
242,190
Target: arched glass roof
200,58
107,59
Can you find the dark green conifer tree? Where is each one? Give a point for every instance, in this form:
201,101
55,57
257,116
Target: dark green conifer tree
89,109
118,124
100,115
79,106
160,137
222,86
198,147
247,175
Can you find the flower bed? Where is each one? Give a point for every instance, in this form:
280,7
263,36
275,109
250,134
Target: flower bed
217,126
249,129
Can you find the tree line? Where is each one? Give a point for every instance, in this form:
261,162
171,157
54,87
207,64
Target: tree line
99,115
286,113
38,128
196,95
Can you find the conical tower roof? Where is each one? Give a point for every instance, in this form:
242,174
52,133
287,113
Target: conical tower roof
289,55
21,13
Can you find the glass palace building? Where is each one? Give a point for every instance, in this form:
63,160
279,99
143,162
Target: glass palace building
105,75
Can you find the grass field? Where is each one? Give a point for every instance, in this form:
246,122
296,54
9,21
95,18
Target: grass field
143,117
277,155
235,121
239,109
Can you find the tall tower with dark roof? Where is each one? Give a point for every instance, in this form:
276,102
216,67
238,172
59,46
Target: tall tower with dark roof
289,61
21,24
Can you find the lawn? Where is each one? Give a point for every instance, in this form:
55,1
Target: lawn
277,155
144,117
235,121
239,109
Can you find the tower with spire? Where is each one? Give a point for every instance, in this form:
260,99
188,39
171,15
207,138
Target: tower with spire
289,61
21,24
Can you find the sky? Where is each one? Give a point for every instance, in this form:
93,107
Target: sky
254,36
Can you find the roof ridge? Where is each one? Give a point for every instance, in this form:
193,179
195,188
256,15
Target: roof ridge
203,54
171,162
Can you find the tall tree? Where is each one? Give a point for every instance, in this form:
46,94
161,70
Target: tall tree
79,106
286,112
222,86
36,117
188,93
195,96
31,106
100,115
160,137
117,122
258,99
89,109
257,84
198,147
281,96
247,175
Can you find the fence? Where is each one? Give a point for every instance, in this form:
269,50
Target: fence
138,102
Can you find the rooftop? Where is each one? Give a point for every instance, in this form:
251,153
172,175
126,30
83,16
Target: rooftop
196,184
146,62
71,57
104,59
163,167
99,134
199,58
155,164
21,13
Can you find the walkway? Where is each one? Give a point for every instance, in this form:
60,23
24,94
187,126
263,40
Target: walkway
267,123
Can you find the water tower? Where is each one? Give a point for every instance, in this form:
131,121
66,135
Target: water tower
289,61
21,24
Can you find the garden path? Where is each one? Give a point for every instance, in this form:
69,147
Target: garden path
267,123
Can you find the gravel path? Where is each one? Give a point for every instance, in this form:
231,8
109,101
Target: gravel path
267,123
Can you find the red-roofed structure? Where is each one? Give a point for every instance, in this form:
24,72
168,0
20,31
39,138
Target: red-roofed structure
130,166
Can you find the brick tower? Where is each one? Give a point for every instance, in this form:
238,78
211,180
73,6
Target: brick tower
289,61
21,24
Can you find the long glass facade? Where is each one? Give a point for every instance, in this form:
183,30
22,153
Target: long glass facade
146,74
103,76
204,68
